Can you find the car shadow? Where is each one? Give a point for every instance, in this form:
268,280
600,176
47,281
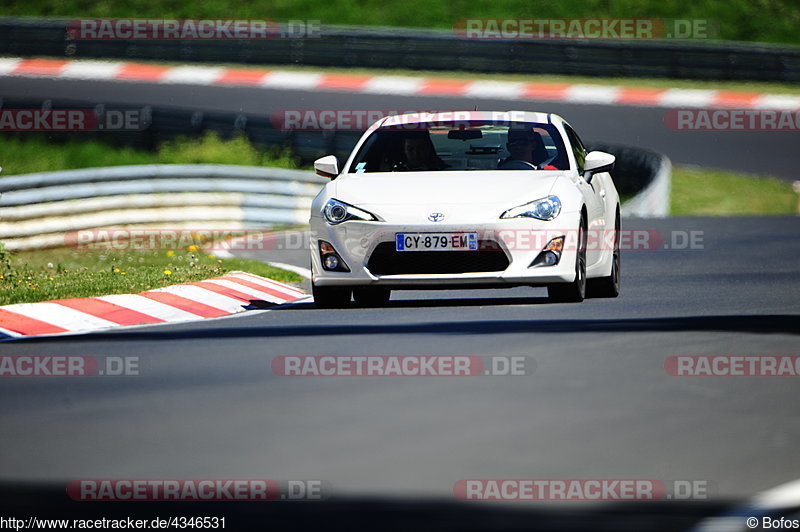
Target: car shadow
427,303
756,324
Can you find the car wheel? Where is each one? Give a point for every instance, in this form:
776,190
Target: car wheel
608,286
330,296
371,296
573,292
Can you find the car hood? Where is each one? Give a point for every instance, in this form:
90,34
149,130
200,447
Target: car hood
502,189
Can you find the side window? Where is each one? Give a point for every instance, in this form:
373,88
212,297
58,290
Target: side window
577,147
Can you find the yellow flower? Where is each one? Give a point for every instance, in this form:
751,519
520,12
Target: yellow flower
211,257
167,272
52,279
116,270
170,253
123,273
193,247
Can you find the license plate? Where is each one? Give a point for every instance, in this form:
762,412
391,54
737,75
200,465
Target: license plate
436,241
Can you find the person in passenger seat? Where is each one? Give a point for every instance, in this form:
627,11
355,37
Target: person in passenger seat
420,153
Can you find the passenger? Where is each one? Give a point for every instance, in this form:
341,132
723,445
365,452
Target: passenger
420,153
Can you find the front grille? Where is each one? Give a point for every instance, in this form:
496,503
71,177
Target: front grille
386,260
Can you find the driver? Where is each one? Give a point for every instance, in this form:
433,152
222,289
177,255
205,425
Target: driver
521,145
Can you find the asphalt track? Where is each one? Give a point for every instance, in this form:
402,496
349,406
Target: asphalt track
598,405
766,153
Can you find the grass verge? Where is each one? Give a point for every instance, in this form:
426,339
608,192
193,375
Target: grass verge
745,20
30,276
701,192
35,153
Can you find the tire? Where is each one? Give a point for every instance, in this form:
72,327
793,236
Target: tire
609,286
371,296
573,292
330,296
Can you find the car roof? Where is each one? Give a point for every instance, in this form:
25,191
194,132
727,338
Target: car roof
447,116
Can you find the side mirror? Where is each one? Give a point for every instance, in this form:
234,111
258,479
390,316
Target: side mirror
597,162
327,166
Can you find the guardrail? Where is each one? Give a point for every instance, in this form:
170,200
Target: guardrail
643,174
39,210
353,46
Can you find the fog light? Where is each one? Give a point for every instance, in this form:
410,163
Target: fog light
549,258
551,253
330,261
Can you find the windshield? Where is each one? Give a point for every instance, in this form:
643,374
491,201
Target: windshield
462,146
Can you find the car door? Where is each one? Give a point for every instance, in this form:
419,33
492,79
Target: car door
593,196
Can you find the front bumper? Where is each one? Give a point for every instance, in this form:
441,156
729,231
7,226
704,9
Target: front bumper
521,240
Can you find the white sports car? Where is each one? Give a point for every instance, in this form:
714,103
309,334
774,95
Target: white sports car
465,199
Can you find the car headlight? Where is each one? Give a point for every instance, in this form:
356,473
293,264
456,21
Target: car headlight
336,212
542,209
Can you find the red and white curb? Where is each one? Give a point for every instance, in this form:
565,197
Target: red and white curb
229,294
393,85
